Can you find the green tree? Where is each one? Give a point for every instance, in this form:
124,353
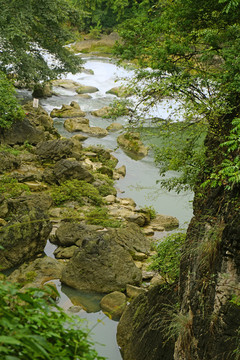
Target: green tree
31,31
192,48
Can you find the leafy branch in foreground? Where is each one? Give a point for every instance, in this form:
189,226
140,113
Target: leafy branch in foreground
33,327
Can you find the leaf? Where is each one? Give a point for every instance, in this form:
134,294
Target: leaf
9,340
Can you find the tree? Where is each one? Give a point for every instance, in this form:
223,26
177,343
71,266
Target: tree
31,32
192,48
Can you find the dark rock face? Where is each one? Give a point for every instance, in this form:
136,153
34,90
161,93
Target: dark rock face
101,265
140,330
54,149
26,234
8,162
71,169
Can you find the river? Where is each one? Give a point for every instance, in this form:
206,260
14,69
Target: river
139,184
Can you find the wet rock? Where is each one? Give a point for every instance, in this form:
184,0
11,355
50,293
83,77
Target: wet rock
101,265
75,124
120,91
103,112
66,84
113,304
83,89
115,127
164,222
133,145
68,111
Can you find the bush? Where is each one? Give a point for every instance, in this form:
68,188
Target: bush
33,327
100,216
76,190
167,259
10,109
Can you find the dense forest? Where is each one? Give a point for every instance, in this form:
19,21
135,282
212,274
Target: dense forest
186,50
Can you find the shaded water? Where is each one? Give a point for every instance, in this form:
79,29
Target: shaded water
139,184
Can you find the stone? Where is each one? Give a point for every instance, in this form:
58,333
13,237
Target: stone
103,112
8,162
110,199
102,265
66,84
132,145
121,170
37,272
75,124
164,221
156,280
140,329
83,89
68,111
70,233
138,256
66,169
54,149
42,91
113,304
115,127
133,291
120,91
65,252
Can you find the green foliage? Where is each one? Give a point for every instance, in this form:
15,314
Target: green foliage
100,216
119,108
95,32
167,259
10,187
26,28
150,210
33,327
10,108
76,190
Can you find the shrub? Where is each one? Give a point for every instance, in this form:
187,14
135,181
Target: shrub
33,327
76,190
167,259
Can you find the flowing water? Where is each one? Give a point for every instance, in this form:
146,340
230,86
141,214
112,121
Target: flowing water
139,184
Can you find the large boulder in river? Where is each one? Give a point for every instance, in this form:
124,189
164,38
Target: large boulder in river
70,233
140,332
66,84
103,112
164,221
68,111
26,234
131,143
120,91
86,89
75,124
101,264
113,304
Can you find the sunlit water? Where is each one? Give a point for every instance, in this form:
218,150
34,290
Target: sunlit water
139,184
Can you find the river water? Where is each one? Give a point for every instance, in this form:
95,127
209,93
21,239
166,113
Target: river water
139,184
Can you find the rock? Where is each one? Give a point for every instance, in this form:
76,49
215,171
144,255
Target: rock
121,170
35,186
95,131
37,272
65,253
140,329
131,143
115,127
113,304
138,256
110,199
58,149
127,202
120,91
148,275
70,233
103,112
68,111
148,230
164,221
75,124
156,280
79,137
42,91
85,96
83,89
101,265
21,239
134,291
2,222
8,162
66,84
136,218
66,169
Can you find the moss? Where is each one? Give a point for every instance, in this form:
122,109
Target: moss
100,216
10,187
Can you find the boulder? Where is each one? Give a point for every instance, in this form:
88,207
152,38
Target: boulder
113,304
37,272
68,111
66,169
66,84
65,252
115,127
120,91
8,162
75,124
131,143
58,149
25,236
101,265
164,221
134,291
103,112
140,329
84,89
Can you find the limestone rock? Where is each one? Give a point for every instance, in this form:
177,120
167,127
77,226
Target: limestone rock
68,111
66,84
65,252
113,304
120,91
134,291
140,330
83,89
164,221
70,233
8,162
75,124
54,149
115,127
101,265
104,111
132,144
